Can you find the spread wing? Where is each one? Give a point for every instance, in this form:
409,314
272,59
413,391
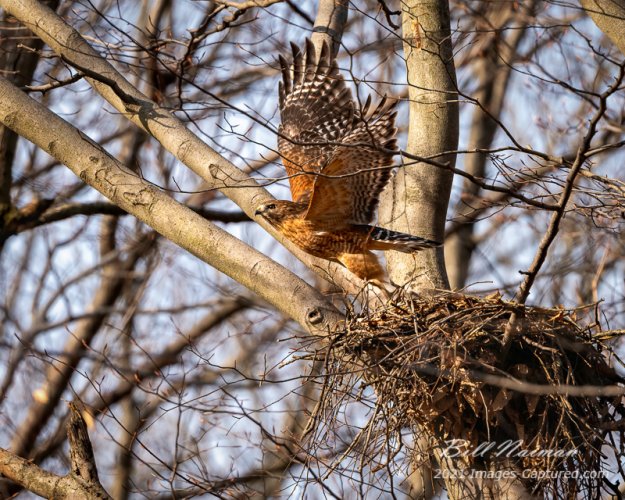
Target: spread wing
350,185
317,111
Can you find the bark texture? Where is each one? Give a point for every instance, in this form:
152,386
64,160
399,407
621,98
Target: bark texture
330,23
609,16
174,221
172,133
417,201
82,480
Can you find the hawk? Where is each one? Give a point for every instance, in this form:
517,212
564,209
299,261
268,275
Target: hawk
338,158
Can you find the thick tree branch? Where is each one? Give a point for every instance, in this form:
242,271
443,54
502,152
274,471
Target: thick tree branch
609,16
171,219
172,133
82,480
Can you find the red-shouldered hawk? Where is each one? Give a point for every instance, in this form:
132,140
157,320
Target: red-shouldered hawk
338,159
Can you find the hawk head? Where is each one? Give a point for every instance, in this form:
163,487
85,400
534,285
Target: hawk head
277,211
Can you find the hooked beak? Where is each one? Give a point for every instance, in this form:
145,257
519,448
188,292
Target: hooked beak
259,211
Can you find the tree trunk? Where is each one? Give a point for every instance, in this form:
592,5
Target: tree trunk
417,201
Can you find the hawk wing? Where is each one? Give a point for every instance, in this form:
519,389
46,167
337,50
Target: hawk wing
350,185
317,111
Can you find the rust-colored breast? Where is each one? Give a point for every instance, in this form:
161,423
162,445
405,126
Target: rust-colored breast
323,240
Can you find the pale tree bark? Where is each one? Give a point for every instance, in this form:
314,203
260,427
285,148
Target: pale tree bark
172,133
19,66
329,24
609,16
184,227
418,198
82,480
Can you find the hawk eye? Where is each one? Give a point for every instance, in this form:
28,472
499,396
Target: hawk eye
271,206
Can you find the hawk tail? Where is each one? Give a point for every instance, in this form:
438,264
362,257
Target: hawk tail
385,239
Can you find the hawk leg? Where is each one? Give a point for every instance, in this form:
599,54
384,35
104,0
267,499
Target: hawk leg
364,265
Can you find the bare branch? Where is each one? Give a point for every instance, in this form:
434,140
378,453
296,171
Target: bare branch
67,210
433,130
173,135
156,209
81,482
556,218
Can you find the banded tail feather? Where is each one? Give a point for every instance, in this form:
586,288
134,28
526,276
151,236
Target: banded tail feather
386,239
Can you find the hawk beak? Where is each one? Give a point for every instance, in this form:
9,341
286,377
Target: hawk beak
259,211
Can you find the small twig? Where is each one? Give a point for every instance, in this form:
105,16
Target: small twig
54,85
113,83
300,12
247,4
388,13
554,225
591,391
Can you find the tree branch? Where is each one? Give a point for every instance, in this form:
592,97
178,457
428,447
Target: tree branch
81,482
609,16
171,219
172,133
556,218
24,221
512,327
80,449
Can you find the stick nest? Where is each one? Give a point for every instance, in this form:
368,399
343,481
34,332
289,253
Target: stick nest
440,363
